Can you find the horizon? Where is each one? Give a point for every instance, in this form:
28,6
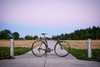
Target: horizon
53,17
51,35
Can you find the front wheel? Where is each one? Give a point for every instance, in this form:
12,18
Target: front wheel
38,48
62,48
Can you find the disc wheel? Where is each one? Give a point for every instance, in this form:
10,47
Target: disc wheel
62,48
38,48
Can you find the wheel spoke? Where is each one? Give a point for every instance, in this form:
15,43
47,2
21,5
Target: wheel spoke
38,48
59,49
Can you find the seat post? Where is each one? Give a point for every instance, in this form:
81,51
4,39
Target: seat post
44,36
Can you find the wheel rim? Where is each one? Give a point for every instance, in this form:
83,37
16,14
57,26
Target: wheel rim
38,48
60,51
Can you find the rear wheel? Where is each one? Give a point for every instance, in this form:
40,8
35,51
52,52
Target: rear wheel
38,48
62,48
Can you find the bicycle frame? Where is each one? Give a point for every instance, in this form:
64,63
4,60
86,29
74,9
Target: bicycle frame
46,50
45,40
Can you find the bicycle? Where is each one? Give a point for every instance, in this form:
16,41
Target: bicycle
40,47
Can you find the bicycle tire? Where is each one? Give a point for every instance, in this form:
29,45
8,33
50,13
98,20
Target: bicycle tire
35,48
60,50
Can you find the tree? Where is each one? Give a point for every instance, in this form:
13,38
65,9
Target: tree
28,37
97,34
35,37
54,37
16,35
87,35
5,34
93,33
0,35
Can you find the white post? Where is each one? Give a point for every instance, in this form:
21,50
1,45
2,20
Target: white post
89,48
12,48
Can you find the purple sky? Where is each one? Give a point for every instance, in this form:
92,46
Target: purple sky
52,16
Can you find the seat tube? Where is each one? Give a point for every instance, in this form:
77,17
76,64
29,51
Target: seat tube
45,41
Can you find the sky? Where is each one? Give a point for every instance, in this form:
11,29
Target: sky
33,17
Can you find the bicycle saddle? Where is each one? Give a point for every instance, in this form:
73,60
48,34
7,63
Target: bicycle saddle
43,33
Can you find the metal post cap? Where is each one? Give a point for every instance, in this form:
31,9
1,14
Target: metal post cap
89,40
11,40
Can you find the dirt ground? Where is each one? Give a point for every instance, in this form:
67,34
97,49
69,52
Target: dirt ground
78,44
83,44
17,43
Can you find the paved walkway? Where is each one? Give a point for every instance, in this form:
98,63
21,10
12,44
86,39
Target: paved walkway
29,60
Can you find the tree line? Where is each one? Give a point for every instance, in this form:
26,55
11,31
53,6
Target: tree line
7,34
82,34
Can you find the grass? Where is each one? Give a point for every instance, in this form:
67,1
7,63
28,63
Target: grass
82,54
21,50
5,52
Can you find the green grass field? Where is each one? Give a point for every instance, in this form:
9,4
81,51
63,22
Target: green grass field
5,52
82,54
